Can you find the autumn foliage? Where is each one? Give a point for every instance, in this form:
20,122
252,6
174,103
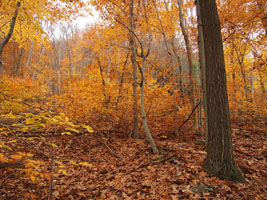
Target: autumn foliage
66,101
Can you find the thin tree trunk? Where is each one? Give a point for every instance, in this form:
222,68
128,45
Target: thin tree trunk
179,67
240,59
18,62
220,159
148,133
189,55
122,79
29,60
8,36
134,67
202,66
263,90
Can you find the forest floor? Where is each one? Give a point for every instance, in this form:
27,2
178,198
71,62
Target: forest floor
116,167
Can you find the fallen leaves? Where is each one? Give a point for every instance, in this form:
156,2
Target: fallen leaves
85,169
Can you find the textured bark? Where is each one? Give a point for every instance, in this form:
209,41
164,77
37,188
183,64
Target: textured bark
8,36
202,64
220,160
134,73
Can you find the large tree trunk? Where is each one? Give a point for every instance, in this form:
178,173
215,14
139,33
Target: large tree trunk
8,36
220,160
134,73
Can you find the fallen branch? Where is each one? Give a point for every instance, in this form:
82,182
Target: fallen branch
189,116
156,161
114,154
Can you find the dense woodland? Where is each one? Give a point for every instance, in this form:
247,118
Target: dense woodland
154,99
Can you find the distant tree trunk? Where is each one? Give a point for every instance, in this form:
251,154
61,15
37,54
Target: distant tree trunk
18,63
8,36
240,59
29,60
134,73
189,56
263,90
220,160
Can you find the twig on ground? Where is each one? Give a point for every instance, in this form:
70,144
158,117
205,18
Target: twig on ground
156,161
114,154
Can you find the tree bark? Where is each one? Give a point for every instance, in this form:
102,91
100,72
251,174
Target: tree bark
29,60
148,133
220,160
189,55
8,36
202,65
134,67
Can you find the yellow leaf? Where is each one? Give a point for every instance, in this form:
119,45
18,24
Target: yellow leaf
43,125
5,146
63,171
28,114
12,141
3,158
58,162
71,124
81,194
72,162
30,121
32,177
66,133
11,116
72,129
85,164
16,156
52,144
4,133
32,138
29,154
88,128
